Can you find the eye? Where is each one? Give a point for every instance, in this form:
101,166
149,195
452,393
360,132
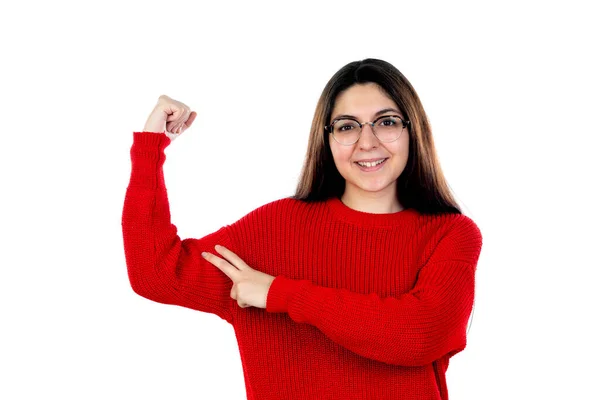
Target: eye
345,126
388,121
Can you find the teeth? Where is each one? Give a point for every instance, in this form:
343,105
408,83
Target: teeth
370,164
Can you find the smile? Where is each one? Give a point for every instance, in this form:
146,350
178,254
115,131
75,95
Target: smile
371,166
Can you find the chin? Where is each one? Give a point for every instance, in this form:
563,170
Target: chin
374,187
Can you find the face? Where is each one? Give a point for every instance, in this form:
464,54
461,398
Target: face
363,101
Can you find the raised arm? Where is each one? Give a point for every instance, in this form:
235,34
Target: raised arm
161,266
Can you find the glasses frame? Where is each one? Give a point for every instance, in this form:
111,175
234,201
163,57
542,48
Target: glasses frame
329,128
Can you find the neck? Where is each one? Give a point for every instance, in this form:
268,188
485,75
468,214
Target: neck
372,202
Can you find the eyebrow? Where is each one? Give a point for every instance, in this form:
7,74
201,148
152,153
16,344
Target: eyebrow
376,114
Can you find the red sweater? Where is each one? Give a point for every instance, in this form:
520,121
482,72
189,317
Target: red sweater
363,306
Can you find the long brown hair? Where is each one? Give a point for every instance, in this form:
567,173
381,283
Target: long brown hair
421,185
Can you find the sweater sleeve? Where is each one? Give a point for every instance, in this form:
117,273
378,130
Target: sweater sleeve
161,266
413,329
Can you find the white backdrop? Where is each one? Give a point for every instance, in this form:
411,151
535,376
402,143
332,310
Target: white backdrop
512,94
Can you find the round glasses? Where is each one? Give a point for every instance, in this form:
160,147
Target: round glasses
386,128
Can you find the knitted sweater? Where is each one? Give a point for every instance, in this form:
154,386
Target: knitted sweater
363,306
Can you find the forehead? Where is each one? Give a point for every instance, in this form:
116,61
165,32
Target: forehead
364,98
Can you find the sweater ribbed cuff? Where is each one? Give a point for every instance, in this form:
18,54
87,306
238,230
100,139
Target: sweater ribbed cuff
149,142
281,292
147,158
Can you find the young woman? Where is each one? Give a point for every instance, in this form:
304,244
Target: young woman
359,286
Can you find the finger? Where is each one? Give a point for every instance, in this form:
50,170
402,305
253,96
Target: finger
174,112
173,115
170,127
241,303
179,122
184,117
178,128
231,257
191,119
223,265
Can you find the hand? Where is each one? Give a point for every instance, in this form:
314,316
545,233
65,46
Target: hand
169,116
250,287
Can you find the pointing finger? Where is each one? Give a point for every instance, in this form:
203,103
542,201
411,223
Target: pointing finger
231,257
223,265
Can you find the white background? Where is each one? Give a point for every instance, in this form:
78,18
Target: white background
511,90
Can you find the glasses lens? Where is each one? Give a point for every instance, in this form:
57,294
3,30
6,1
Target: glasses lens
388,129
346,131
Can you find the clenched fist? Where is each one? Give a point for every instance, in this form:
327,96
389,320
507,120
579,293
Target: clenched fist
169,116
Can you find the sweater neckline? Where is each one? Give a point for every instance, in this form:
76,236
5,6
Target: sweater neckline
343,212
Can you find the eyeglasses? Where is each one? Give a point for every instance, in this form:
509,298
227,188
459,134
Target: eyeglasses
386,128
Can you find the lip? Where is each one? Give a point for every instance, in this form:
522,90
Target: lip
372,159
371,169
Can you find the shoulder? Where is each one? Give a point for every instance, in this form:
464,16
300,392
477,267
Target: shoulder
452,224
463,225
273,211
277,206
456,236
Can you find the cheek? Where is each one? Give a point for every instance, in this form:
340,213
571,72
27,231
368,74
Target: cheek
342,157
400,150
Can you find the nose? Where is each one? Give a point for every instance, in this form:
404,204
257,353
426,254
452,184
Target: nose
367,138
